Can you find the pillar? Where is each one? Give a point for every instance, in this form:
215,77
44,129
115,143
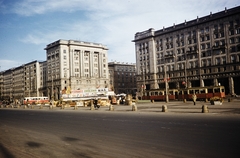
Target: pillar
189,84
201,82
231,85
215,82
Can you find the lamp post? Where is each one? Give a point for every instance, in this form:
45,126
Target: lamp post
143,77
52,88
29,86
185,69
166,83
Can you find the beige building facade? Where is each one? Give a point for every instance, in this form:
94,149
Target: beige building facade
197,53
20,82
122,77
76,65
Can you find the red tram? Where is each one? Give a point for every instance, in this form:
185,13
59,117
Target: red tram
203,93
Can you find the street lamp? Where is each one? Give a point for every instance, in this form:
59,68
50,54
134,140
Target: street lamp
185,69
52,88
166,83
29,86
143,77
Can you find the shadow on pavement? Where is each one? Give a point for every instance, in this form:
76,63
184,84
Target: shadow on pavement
5,153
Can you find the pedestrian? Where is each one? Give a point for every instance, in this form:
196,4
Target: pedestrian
194,97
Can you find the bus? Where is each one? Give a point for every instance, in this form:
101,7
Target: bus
35,100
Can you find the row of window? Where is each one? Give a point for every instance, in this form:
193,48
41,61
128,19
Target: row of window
194,72
204,62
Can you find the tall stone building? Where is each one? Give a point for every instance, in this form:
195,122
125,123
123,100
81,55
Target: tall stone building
77,65
20,82
122,77
197,53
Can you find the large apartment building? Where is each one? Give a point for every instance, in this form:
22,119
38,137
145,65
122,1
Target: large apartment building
22,81
73,65
76,65
122,77
197,53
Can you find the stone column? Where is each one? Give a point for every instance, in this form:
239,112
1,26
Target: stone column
177,85
231,85
215,82
189,84
201,82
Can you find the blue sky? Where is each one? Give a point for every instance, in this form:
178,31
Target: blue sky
27,26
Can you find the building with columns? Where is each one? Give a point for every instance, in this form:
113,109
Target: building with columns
76,65
197,53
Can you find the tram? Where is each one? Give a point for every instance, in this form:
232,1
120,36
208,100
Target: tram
202,93
159,94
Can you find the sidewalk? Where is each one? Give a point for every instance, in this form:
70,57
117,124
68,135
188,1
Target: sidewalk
181,107
156,107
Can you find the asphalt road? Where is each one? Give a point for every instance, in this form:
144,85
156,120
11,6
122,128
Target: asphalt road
103,134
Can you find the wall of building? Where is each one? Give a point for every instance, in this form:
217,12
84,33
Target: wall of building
201,52
76,64
123,77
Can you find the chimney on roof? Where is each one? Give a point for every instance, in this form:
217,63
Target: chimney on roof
225,9
210,14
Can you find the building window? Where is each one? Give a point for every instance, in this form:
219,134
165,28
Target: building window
232,49
224,60
207,37
233,59
218,62
204,63
231,41
208,45
86,54
231,32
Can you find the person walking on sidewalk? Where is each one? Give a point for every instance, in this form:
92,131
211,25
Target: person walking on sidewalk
194,97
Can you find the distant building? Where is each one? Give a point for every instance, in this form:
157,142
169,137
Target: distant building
75,64
122,77
197,53
70,64
22,81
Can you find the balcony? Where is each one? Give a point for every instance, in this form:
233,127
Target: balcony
219,47
169,56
